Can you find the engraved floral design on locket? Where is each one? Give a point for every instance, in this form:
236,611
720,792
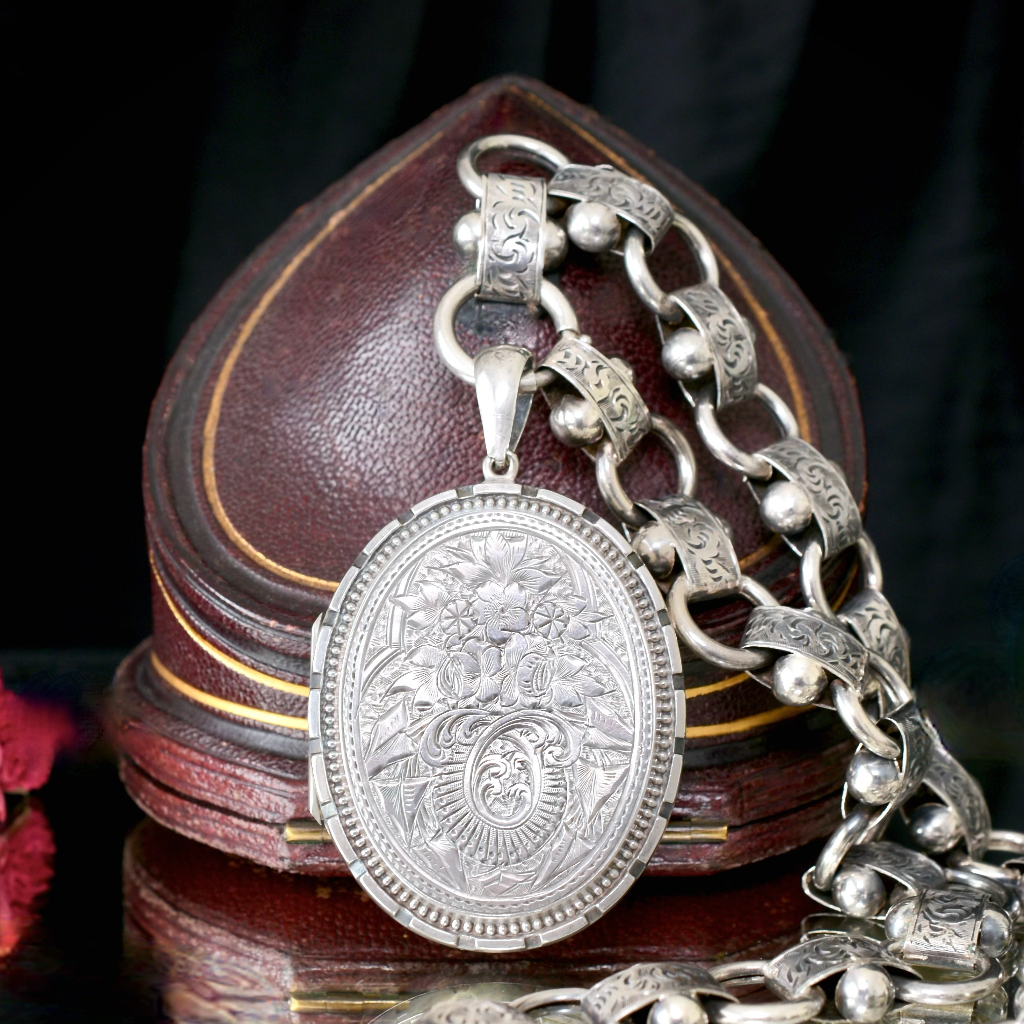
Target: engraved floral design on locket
499,722
507,697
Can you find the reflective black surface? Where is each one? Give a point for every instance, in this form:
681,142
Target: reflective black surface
70,964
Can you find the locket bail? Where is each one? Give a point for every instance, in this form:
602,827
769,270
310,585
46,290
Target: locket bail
497,375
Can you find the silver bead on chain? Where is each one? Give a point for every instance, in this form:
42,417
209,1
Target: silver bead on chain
901,927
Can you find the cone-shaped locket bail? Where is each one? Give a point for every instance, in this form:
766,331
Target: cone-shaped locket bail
498,373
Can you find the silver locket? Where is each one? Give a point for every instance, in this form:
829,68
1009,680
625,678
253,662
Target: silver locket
495,730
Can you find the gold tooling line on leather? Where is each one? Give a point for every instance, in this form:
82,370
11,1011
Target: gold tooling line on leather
217,401
229,706
722,684
215,652
743,724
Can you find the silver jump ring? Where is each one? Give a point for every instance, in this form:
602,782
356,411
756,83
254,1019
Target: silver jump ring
724,450
549,997
812,586
607,469
737,659
508,473
1004,840
949,993
894,687
960,858
782,1011
651,294
847,703
870,563
739,972
839,844
460,362
466,164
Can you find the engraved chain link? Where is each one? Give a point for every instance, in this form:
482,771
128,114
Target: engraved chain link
892,909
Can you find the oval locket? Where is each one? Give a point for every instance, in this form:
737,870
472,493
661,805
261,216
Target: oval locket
495,730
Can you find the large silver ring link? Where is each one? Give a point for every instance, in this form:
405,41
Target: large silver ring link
460,362
466,164
870,563
894,687
651,294
969,879
1004,840
607,470
724,450
782,1011
735,658
950,993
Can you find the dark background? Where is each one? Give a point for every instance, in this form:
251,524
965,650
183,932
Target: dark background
877,150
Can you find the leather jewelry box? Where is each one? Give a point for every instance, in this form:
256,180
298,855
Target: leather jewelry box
306,408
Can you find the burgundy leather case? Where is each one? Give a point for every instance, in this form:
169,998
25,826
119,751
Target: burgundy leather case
306,408
229,940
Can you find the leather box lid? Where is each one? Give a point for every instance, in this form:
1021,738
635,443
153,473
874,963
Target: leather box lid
306,407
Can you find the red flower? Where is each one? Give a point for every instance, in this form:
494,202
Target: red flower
30,737
26,857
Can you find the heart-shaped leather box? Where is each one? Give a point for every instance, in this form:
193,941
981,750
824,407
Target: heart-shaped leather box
306,408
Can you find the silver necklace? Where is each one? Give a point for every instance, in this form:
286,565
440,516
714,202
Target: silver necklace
496,716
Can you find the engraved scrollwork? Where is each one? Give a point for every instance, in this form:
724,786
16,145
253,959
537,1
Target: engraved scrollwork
623,412
911,869
809,963
706,554
835,511
960,791
918,748
798,632
944,932
637,986
510,264
633,200
732,344
875,624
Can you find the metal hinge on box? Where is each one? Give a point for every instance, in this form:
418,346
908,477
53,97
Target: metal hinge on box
683,830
